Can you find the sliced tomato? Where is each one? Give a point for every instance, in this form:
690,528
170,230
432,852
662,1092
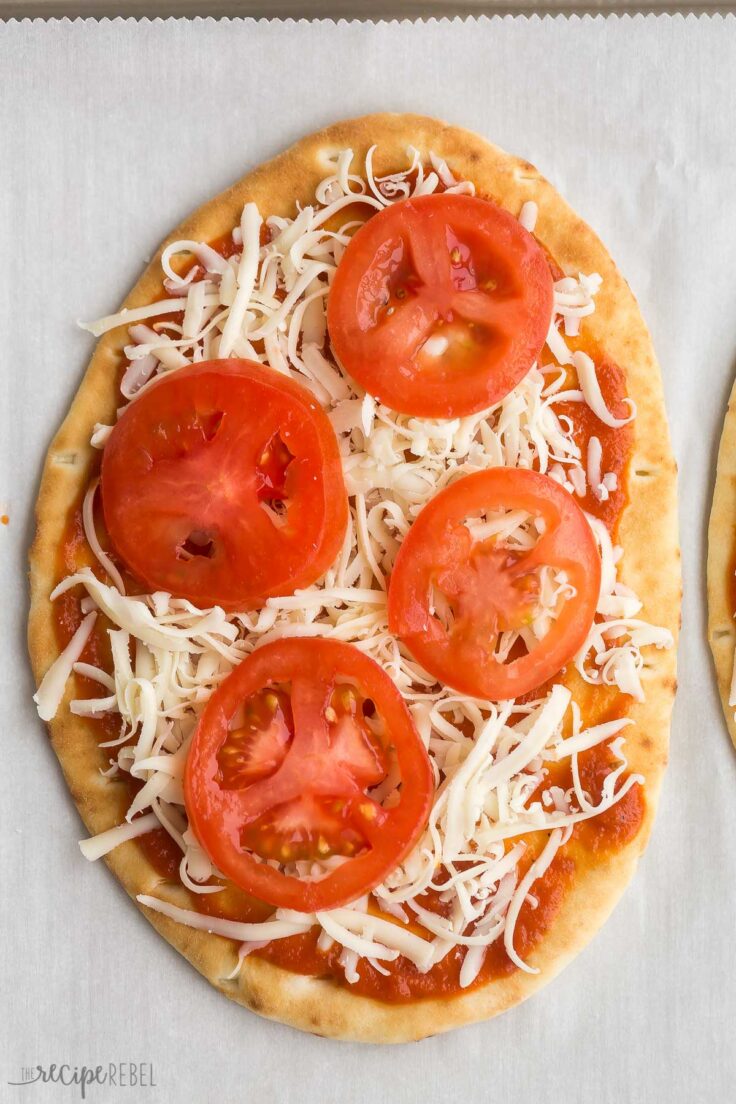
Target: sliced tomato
284,766
223,484
485,587
440,305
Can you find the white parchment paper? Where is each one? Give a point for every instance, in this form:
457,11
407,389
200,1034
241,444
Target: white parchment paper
109,134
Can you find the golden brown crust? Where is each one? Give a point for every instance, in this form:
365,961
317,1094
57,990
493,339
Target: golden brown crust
721,561
651,565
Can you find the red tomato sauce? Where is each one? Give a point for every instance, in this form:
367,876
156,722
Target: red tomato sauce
603,834
405,982
732,578
616,444
619,824
162,853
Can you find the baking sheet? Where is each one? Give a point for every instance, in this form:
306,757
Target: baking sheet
111,132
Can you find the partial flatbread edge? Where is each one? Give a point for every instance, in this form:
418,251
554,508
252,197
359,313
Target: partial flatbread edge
721,562
651,565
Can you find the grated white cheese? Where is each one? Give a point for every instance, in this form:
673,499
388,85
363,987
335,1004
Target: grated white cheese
132,314
230,929
250,228
90,533
50,693
528,215
591,390
104,842
539,867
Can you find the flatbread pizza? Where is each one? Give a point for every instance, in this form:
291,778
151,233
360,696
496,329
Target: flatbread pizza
355,587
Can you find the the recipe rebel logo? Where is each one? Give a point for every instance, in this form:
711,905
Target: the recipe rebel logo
122,1075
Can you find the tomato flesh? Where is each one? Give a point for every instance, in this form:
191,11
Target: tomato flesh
256,745
222,483
488,588
440,305
282,766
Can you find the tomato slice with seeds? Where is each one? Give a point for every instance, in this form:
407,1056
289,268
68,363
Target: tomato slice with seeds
440,305
223,484
289,763
453,592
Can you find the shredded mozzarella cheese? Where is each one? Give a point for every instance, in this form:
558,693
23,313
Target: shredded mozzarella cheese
230,929
50,693
528,216
535,871
104,842
732,690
